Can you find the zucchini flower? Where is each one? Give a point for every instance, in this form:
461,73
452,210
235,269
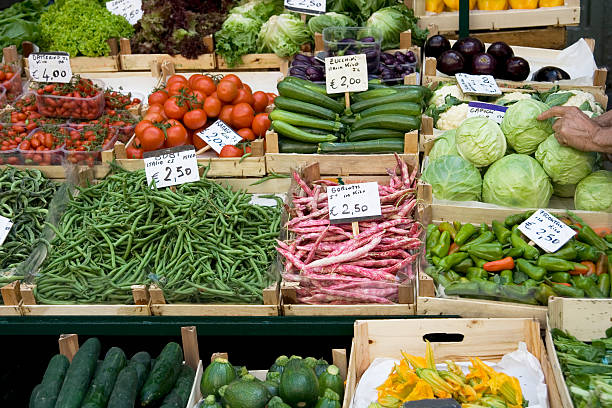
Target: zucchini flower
440,388
509,388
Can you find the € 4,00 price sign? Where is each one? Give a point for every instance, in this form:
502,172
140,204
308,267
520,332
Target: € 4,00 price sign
50,67
546,230
171,167
353,202
348,73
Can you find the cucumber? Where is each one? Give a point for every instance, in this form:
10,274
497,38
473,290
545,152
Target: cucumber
179,395
141,362
405,95
370,134
45,394
366,146
293,105
297,119
306,84
102,385
79,375
126,388
292,132
163,376
291,90
399,108
401,123
292,146
373,93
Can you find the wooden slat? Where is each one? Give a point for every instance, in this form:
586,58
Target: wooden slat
585,319
213,310
340,361
59,172
348,310
69,345
253,61
219,167
553,38
10,294
142,62
558,378
189,336
85,310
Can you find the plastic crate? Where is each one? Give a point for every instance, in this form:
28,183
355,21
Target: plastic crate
57,106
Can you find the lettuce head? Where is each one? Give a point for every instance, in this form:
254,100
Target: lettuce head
480,141
522,128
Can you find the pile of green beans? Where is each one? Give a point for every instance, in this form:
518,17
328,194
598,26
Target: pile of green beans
202,243
25,196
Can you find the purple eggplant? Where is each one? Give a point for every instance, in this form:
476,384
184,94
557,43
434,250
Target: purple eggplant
400,57
298,70
300,63
411,57
368,39
301,57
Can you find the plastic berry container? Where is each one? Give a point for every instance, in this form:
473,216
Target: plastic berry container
341,41
11,135
13,85
90,152
75,107
38,150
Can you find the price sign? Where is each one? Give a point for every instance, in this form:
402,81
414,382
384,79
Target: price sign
5,228
306,6
171,167
478,84
218,135
50,67
487,110
353,202
546,230
130,9
346,74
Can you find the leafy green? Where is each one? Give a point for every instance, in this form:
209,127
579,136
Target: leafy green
19,22
260,10
283,35
391,21
434,112
332,19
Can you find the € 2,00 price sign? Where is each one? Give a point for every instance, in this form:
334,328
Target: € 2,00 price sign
346,74
219,135
478,84
171,167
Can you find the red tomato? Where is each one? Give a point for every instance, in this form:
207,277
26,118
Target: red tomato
212,107
134,152
196,99
177,88
156,107
246,134
226,114
233,78
195,119
152,139
197,140
154,117
192,79
230,151
271,97
243,96
158,97
261,123
176,78
242,116
175,107
141,126
227,91
260,101
176,135
205,84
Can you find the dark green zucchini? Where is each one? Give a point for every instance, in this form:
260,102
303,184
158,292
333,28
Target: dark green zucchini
79,375
163,376
423,89
179,395
102,385
367,146
373,93
398,108
292,132
306,84
404,95
45,394
348,120
126,388
291,146
313,130
141,362
294,105
370,134
294,91
401,123
297,119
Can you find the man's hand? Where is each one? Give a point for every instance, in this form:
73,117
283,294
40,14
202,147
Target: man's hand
574,128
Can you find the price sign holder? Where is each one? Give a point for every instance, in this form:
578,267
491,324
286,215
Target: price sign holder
546,230
313,7
171,167
483,85
50,67
487,110
5,227
219,135
351,203
130,9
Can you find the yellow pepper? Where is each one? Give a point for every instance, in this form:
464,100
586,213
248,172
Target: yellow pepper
551,3
453,5
523,4
435,6
493,4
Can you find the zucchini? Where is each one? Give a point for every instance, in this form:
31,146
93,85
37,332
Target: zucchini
292,132
247,392
299,386
370,134
293,105
332,380
79,375
102,385
306,84
294,91
366,146
425,90
406,95
218,373
163,376
179,395
348,120
313,130
401,123
374,93
292,146
398,108
45,393
141,362
297,119
125,390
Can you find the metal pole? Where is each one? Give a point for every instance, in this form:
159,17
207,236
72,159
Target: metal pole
464,18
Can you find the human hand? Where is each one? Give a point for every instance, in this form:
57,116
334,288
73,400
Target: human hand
573,128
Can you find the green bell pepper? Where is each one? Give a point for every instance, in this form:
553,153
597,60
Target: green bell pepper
477,261
567,291
529,252
515,219
476,273
568,252
462,266
553,264
561,277
506,277
481,239
451,260
588,285
513,252
585,252
604,284
447,226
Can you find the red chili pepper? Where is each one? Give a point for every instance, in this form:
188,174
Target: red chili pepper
500,265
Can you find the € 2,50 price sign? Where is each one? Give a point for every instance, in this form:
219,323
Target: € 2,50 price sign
171,167
130,9
50,67
306,6
546,230
348,73
353,202
5,228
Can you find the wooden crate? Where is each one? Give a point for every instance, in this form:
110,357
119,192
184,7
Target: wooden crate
253,62
145,62
11,299
80,65
58,173
567,14
585,319
552,37
488,339
338,359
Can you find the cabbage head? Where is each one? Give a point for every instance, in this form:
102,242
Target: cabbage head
444,145
522,128
564,190
282,35
564,164
453,178
516,180
391,21
317,23
480,141
594,192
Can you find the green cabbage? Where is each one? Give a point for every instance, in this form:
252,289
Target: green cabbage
594,192
283,35
453,178
564,190
481,141
260,10
444,145
391,21
317,23
522,128
564,164
516,180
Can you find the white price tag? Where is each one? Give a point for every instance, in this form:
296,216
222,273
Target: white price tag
171,167
306,6
218,135
353,202
50,67
346,74
546,230
487,110
5,228
130,9
478,84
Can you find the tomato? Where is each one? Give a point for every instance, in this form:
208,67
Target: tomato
154,117
260,101
197,140
177,88
246,134
196,98
176,78
195,119
212,107
175,107
271,97
192,79
243,96
227,91
133,152
158,97
156,107
226,114
233,78
205,84
247,88
261,123
230,151
141,126
152,139
176,135
242,116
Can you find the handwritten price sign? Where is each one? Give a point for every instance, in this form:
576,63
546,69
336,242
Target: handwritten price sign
353,202
546,230
348,73
5,228
171,167
478,84
130,9
50,67
219,135
306,6
487,110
